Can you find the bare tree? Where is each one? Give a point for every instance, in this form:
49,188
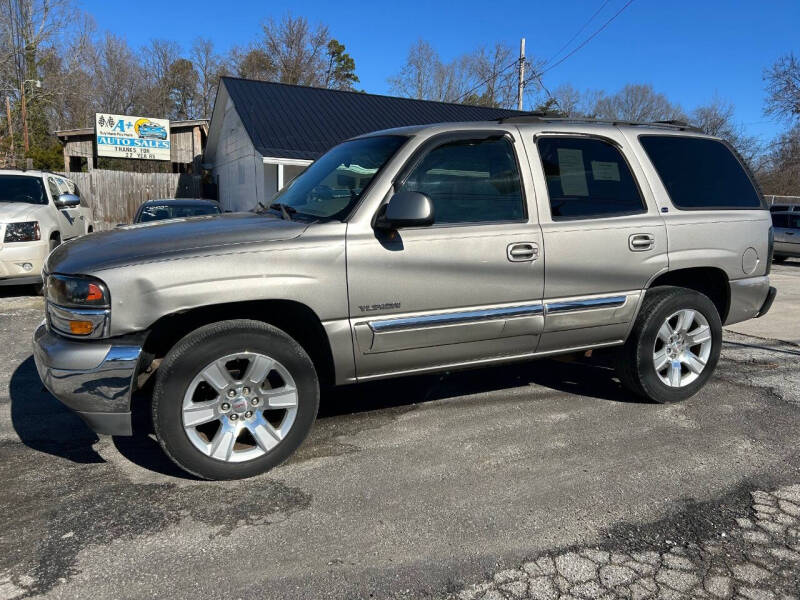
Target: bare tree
28,30
783,88
157,58
292,51
418,76
118,80
297,50
639,103
252,63
717,118
571,102
485,77
210,67
780,174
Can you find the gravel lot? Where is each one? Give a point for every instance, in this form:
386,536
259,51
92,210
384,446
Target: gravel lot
538,480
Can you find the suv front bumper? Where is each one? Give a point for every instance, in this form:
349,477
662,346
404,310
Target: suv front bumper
94,378
13,255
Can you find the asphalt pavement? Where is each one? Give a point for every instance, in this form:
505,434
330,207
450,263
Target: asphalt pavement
537,480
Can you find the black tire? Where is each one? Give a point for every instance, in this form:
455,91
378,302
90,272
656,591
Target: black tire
779,259
199,348
635,362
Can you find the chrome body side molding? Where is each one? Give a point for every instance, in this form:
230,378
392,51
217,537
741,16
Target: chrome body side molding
456,318
588,303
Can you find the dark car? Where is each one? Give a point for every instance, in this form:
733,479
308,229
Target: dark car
175,208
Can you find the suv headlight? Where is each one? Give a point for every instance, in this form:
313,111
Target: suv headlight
78,306
24,231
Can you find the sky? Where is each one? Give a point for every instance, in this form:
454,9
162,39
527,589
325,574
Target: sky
689,50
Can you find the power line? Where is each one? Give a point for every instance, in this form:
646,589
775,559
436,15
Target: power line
580,31
589,39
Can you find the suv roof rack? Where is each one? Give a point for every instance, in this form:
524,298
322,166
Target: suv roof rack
538,116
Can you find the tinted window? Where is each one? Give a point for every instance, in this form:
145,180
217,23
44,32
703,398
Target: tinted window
699,173
779,207
780,220
19,188
470,181
588,178
791,221
158,212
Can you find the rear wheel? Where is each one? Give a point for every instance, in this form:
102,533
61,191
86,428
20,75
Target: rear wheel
674,346
234,399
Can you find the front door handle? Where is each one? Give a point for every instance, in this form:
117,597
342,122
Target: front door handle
640,242
522,251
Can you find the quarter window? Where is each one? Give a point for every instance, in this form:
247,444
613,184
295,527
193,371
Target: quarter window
700,173
470,181
588,178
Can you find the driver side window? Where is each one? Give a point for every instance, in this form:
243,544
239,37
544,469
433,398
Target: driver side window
470,181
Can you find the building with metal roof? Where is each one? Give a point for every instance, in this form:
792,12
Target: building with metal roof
263,134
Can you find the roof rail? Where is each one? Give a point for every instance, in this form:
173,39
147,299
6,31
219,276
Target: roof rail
538,117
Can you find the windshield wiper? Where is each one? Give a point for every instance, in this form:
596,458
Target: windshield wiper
286,210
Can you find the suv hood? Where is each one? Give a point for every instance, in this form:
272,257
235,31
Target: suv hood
11,212
171,238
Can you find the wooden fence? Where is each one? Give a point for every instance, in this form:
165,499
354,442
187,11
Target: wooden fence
115,195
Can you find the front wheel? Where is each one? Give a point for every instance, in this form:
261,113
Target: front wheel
674,346
234,399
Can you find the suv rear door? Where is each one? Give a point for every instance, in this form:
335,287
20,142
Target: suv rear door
462,290
604,238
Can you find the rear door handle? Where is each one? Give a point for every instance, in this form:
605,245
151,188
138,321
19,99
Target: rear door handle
522,251
640,242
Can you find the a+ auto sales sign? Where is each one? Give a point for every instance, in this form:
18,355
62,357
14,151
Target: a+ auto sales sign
123,136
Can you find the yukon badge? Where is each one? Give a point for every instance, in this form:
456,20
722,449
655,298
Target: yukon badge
374,307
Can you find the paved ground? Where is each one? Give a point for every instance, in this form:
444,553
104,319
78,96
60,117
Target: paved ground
537,480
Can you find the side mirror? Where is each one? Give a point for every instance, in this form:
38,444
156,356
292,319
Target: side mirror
406,209
67,201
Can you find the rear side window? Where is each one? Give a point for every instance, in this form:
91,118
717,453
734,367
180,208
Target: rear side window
786,220
700,174
588,178
470,181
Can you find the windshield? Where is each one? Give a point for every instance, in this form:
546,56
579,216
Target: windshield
20,188
333,184
158,212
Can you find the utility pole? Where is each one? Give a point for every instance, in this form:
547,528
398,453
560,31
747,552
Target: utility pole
10,125
521,87
25,144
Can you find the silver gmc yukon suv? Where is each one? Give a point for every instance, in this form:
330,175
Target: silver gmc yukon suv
408,251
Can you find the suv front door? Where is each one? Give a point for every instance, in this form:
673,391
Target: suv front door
603,236
466,289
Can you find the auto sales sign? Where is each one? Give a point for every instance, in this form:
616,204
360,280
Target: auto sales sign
122,136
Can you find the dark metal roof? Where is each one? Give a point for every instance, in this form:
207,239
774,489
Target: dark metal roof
291,121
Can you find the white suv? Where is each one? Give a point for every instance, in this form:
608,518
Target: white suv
38,211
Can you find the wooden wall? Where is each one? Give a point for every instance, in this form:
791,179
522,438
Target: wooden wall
115,195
